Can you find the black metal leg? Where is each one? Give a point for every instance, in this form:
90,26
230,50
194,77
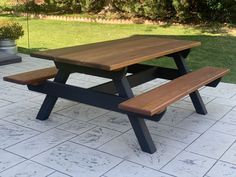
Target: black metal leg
138,124
195,96
50,101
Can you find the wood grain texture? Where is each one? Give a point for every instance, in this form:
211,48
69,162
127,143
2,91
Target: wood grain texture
158,99
32,77
117,54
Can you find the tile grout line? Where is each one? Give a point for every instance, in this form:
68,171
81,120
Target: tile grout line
13,166
112,168
101,144
55,170
220,157
192,143
40,133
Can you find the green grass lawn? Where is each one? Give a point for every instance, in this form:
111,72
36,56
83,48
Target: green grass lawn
218,49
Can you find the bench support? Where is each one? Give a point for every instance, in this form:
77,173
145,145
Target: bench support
49,100
181,64
140,74
138,124
87,96
90,96
120,84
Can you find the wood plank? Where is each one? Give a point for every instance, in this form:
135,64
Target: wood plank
32,77
117,54
50,54
158,99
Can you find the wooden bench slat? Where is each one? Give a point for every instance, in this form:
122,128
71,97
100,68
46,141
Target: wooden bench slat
157,100
32,77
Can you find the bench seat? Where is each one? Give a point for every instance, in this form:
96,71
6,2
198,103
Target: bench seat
157,100
32,77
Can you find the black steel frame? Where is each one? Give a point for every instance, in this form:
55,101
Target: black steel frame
105,95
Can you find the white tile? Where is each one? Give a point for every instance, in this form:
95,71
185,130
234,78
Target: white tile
82,112
230,117
128,169
189,165
224,127
206,99
60,104
11,134
58,174
27,168
225,101
197,124
230,155
35,65
7,160
96,137
215,111
184,105
38,99
40,143
14,94
172,133
142,88
114,121
12,69
4,84
73,159
222,169
4,102
174,116
81,83
89,78
223,90
234,97
211,144
76,126
221,106
15,108
28,119
158,81
63,104
126,146
23,87
163,140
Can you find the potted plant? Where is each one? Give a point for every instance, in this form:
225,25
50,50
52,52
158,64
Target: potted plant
10,31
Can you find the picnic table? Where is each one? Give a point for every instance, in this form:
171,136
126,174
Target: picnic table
113,60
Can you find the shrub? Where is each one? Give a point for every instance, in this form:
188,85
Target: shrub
181,10
205,10
154,9
10,30
221,10
48,6
151,9
92,5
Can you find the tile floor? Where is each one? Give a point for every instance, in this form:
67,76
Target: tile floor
84,141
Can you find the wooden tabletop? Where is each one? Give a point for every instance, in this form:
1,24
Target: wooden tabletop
117,54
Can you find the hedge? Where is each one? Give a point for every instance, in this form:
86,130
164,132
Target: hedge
180,10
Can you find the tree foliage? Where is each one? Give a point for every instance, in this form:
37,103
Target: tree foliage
181,10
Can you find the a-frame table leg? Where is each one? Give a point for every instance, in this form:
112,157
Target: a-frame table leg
50,101
180,61
138,124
